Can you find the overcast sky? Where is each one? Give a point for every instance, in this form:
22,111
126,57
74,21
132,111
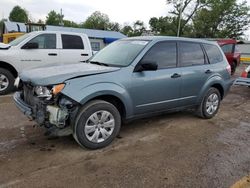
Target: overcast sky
122,12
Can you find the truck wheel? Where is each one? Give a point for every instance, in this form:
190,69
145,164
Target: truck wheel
210,104
97,124
6,81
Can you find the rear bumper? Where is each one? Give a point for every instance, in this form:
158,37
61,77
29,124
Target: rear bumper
22,106
242,81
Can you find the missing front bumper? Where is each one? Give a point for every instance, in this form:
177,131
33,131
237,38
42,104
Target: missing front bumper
22,106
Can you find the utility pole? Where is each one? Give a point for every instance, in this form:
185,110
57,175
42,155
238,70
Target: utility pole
61,18
179,21
180,15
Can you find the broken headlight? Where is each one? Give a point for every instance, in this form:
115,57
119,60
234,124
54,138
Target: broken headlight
42,91
48,92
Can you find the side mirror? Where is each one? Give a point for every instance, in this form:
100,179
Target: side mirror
146,66
30,45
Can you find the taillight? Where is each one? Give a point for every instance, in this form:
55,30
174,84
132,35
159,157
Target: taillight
244,74
229,69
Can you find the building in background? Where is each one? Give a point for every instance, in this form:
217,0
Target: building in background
244,48
98,38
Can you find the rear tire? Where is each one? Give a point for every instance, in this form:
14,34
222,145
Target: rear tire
210,104
6,81
97,124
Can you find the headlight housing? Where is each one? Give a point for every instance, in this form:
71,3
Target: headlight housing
48,92
42,91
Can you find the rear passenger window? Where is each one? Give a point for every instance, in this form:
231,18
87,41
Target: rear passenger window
213,53
191,54
163,53
72,42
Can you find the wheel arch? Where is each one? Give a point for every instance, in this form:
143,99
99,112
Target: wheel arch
220,89
116,101
216,82
9,67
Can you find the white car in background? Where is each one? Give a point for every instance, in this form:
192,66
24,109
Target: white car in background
40,49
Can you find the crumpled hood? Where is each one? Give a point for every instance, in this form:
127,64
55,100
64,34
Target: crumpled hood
4,46
58,74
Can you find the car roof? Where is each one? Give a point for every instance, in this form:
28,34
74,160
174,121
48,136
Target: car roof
58,32
164,38
224,41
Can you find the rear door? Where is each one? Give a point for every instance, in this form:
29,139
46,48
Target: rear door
195,71
45,55
73,49
157,90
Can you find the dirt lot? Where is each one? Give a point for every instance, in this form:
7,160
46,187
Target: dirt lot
173,150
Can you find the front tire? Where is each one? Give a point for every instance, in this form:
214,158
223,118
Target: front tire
210,104
97,124
6,81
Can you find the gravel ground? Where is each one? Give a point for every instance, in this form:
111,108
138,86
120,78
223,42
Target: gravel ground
172,150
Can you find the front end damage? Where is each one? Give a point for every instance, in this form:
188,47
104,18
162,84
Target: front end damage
55,112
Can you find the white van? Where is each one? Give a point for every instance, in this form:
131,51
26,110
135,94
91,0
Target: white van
40,49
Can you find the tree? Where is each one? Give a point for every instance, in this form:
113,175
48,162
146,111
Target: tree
138,28
204,18
68,23
224,19
181,15
127,30
97,20
54,18
114,26
18,14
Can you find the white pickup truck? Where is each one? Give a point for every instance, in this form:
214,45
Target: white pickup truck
40,49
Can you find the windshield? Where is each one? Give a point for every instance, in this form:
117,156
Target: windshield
120,53
19,39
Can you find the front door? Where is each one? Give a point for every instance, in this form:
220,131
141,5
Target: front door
45,55
157,90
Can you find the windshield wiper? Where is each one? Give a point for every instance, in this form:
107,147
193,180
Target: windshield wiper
98,63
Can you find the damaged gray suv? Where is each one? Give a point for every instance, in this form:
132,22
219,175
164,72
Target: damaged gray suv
130,78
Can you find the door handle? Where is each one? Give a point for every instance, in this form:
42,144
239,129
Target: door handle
175,75
52,54
84,54
208,71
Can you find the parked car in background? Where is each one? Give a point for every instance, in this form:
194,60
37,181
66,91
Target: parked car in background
244,79
231,51
130,78
40,49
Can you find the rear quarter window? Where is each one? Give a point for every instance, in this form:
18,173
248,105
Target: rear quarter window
213,53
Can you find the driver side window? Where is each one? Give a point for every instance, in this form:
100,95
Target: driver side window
45,41
162,53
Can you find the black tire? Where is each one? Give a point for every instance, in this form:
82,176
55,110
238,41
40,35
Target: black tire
202,111
83,116
233,68
10,78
